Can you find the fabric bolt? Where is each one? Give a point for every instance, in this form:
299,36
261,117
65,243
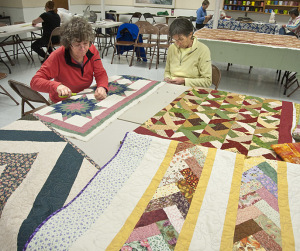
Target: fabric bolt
82,116
289,152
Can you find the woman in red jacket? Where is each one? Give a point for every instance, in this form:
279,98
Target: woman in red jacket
73,65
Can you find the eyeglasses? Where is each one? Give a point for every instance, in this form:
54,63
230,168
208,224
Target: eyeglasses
81,45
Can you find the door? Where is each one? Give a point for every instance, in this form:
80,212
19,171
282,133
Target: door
61,4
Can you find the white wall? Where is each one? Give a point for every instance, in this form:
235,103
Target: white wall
28,14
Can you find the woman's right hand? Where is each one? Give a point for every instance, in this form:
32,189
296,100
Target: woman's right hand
62,90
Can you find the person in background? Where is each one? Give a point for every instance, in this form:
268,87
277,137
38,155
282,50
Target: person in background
188,60
293,25
73,65
50,20
202,17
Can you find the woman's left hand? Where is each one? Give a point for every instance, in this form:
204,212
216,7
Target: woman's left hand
100,93
177,81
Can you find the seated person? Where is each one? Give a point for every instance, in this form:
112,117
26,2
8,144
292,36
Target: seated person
188,60
73,65
50,20
293,25
202,17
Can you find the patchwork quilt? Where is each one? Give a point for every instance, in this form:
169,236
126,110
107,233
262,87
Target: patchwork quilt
82,116
158,194
229,121
249,37
39,173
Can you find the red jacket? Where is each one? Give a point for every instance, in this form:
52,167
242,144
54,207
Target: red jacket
64,70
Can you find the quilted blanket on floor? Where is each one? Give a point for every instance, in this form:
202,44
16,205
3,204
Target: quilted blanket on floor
238,123
39,173
157,194
82,116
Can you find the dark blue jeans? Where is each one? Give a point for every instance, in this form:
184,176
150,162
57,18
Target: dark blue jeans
283,32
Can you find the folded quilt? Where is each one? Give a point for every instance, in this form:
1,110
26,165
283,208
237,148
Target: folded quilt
82,116
39,173
239,123
157,194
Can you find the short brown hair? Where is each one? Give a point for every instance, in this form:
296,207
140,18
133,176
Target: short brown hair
50,5
205,2
294,11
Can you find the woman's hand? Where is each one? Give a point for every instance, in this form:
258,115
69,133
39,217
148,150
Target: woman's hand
62,90
100,93
167,80
177,81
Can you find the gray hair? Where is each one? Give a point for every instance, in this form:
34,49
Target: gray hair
181,26
76,30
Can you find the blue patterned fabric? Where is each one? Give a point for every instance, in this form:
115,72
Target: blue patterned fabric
236,25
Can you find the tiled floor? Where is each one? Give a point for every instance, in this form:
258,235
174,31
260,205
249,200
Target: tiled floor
260,82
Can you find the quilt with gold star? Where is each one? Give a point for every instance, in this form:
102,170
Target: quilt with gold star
163,195
82,116
238,123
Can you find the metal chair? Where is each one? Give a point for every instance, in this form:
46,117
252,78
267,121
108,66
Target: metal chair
290,80
146,32
2,76
137,15
216,76
124,43
163,43
142,23
149,16
52,45
28,95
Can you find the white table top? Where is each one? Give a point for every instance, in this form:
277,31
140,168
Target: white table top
106,143
10,30
153,104
106,24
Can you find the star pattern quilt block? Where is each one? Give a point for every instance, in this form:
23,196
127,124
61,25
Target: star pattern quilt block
82,116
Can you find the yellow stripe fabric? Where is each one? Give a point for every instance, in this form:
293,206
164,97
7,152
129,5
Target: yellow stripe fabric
136,214
231,212
297,108
188,227
287,235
